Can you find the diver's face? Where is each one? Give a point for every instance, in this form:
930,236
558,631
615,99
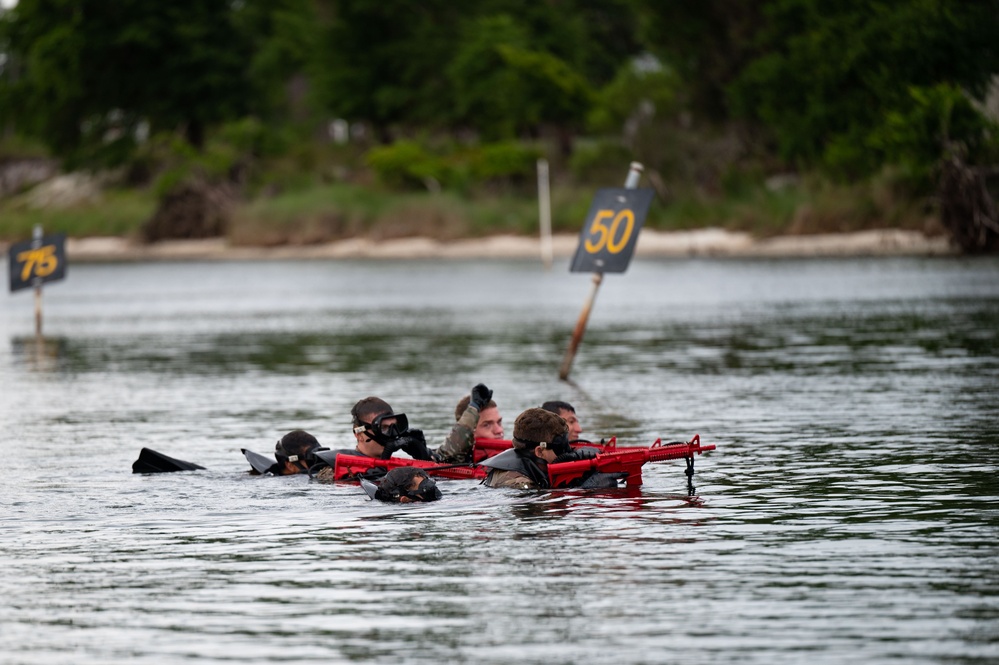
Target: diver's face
490,424
547,454
365,444
421,489
414,486
575,429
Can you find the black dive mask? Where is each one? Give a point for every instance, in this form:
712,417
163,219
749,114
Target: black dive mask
309,457
382,432
560,445
427,491
395,485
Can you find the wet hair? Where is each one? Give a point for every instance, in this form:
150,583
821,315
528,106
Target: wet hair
297,442
555,406
396,483
463,404
368,408
536,426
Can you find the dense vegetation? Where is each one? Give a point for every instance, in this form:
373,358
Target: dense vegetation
303,120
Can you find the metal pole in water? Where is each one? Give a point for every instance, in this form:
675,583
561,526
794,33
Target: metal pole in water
545,211
631,182
36,242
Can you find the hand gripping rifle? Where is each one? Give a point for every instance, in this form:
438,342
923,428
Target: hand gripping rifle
485,448
630,462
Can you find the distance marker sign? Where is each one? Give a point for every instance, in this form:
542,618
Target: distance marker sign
610,233
44,260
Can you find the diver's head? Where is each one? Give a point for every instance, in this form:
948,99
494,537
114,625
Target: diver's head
407,484
376,425
568,413
294,452
490,424
542,433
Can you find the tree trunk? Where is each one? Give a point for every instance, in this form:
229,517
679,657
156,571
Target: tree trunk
967,207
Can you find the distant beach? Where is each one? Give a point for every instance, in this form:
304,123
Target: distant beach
699,243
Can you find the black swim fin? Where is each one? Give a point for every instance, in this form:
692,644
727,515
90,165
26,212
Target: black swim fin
151,461
260,463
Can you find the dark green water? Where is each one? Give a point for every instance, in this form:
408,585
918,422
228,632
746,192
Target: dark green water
850,510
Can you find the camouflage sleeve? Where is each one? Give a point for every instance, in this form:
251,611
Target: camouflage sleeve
325,475
509,479
457,448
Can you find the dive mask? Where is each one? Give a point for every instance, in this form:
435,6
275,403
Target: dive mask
426,491
560,444
395,486
385,428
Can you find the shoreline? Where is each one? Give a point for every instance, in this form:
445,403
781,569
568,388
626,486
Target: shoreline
714,243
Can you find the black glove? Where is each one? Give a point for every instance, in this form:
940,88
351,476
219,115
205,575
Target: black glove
415,444
480,396
576,455
598,481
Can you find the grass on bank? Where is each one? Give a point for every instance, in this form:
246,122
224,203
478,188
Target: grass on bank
115,213
324,212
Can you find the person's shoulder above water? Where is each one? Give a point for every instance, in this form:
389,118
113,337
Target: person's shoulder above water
539,437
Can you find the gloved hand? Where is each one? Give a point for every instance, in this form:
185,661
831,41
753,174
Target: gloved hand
415,444
602,481
576,455
480,396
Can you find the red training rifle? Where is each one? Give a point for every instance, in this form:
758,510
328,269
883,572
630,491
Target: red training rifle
629,461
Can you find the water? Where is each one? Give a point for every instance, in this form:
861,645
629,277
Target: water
849,511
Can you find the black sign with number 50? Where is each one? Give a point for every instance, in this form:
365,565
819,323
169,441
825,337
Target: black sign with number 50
608,238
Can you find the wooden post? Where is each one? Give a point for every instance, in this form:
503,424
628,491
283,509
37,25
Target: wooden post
631,182
545,213
36,242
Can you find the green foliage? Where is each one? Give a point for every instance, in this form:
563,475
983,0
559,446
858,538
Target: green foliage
116,213
638,82
487,93
554,92
938,118
284,37
410,165
84,75
501,67
707,44
506,160
21,147
829,74
603,162
407,164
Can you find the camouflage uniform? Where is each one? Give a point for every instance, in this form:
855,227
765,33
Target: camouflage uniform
325,474
457,448
510,479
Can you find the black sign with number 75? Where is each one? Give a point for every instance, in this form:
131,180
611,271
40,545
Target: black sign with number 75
34,262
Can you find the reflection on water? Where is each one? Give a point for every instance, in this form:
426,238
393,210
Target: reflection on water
847,513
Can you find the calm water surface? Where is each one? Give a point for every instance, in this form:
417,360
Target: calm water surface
849,514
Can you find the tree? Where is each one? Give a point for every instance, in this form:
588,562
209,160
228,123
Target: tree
90,72
499,66
830,74
503,88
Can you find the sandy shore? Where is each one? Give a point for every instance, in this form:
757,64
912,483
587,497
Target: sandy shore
706,242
